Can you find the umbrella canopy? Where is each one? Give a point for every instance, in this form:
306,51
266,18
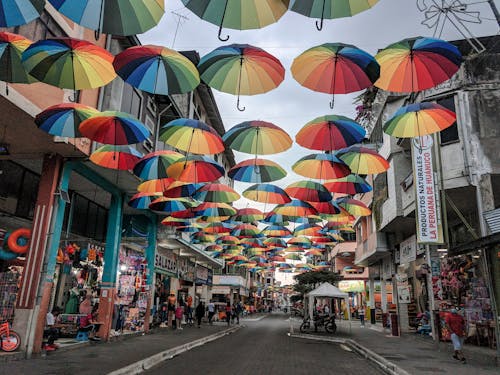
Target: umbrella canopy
416,120
246,231
213,248
214,209
114,128
116,157
191,228
217,228
248,215
326,208
19,12
64,119
276,231
331,132
314,253
154,166
330,9
362,160
257,138
155,186
192,136
354,207
167,206
241,69
227,240
157,70
309,191
142,201
307,230
69,63
238,14
116,17
293,256
321,166
256,171
11,48
275,242
274,218
200,237
170,221
266,193
295,208
335,68
217,193
352,184
301,242
252,243
417,64
179,189
196,168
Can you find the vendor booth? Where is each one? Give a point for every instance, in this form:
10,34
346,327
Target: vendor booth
326,290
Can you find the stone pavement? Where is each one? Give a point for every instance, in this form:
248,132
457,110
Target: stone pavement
416,354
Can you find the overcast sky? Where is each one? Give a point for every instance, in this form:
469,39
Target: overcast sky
290,106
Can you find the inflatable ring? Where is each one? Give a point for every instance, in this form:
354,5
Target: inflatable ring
5,254
18,240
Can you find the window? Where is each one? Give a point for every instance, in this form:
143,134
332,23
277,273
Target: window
131,101
450,134
88,218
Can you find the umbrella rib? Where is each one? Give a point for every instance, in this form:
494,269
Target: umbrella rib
221,24
335,61
239,85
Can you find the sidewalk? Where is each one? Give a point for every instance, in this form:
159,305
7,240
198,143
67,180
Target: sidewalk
416,354
102,358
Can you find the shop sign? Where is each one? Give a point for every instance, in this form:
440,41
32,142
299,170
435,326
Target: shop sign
201,275
403,288
428,207
221,290
166,262
186,269
408,250
353,286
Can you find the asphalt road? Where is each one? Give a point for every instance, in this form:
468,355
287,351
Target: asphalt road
263,347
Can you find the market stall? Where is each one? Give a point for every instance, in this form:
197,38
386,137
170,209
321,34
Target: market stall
326,290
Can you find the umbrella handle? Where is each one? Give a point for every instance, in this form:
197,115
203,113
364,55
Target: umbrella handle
241,109
72,98
319,25
332,102
219,35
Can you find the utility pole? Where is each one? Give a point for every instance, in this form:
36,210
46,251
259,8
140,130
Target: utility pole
494,9
180,17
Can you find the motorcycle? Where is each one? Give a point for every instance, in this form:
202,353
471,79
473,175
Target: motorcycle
326,321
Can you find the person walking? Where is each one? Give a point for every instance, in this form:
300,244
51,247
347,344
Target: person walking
211,311
456,324
361,314
228,313
179,312
171,309
236,312
200,313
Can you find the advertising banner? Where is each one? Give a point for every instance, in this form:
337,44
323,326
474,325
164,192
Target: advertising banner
408,250
167,262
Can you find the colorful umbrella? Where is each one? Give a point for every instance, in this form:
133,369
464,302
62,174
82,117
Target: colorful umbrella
200,237
157,70
330,9
335,68
155,186
246,230
352,184
276,231
293,256
216,193
309,191
19,12
241,69
213,248
331,132
11,48
64,119
69,63
212,219
168,206
307,230
238,14
321,166
326,208
301,242
273,218
253,243
417,64
354,207
192,136
266,193
362,160
114,128
196,168
217,228
295,208
248,215
416,120
142,201
116,17
256,171
179,189
314,253
257,138
214,209
174,222
295,249
154,166
275,242
227,240
116,157
191,228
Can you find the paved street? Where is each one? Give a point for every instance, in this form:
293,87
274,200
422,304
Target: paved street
263,347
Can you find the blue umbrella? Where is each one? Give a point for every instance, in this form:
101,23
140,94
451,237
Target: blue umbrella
19,12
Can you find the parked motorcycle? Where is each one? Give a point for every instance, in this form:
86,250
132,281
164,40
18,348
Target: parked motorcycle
326,321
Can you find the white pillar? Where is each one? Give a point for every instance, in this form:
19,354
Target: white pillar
371,290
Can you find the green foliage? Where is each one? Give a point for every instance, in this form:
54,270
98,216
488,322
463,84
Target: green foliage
307,281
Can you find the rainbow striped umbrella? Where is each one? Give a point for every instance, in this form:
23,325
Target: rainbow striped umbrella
155,186
69,63
142,201
307,230
292,256
192,136
217,193
311,219
157,70
279,259
183,214
246,231
275,242
227,240
168,206
179,189
362,160
256,171
295,208
154,165
321,166
314,253
352,184
241,69
309,191
253,243
217,228
238,14
116,17
295,249
170,221
11,48
248,215
416,120
116,157
266,193
276,231
274,218
191,228
257,138
114,128
342,217
196,168
200,237
300,242
64,119
354,207
211,219
417,64
335,68
19,12
210,248
331,132
214,209
330,9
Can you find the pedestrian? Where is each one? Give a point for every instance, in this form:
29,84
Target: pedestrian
171,309
51,332
179,312
228,313
456,324
211,311
189,310
236,312
200,313
361,314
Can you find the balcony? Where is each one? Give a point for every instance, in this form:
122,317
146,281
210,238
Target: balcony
371,250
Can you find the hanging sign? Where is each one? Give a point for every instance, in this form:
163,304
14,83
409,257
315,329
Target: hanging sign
408,250
428,209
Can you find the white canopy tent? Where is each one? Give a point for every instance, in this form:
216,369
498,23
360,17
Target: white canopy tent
326,290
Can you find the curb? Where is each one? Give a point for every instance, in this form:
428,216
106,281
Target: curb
149,362
387,366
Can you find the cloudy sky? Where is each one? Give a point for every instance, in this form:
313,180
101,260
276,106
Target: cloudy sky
290,106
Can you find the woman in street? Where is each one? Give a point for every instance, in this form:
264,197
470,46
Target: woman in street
200,313
361,314
229,313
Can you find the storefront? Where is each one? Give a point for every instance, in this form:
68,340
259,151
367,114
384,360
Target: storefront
165,267
203,281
